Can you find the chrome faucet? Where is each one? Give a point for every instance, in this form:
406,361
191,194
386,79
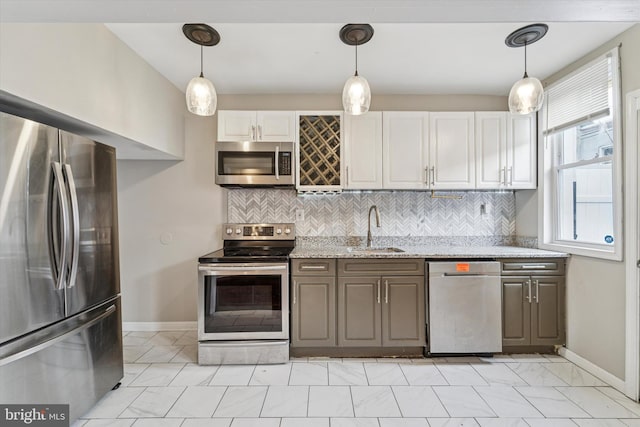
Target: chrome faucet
372,208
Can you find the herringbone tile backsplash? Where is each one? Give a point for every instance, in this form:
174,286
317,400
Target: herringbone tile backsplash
402,213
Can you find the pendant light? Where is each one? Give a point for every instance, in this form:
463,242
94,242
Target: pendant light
527,94
200,94
356,95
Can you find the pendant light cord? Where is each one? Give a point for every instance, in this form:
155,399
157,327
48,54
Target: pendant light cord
202,75
356,58
525,61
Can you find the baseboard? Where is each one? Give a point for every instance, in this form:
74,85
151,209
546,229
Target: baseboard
159,326
593,369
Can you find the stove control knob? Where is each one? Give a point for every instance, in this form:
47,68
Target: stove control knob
278,230
287,231
229,231
238,231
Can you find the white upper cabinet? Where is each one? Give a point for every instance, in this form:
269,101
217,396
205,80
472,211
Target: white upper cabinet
405,137
452,151
276,126
521,152
270,126
491,137
506,150
236,125
363,151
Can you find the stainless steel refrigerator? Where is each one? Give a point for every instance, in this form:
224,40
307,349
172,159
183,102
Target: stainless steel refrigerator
60,322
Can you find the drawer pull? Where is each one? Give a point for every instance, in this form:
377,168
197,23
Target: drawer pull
533,267
313,267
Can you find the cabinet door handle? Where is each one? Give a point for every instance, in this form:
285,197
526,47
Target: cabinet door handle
503,174
433,176
510,170
378,291
260,132
537,285
295,294
426,175
386,292
528,282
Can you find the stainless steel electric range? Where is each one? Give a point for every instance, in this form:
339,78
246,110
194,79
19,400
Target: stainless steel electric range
243,296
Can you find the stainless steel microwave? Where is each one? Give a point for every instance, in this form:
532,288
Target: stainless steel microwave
255,164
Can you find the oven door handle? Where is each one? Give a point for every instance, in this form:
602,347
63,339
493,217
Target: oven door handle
240,268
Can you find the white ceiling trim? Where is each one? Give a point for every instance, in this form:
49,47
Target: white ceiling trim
319,11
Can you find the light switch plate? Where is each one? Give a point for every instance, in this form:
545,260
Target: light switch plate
299,214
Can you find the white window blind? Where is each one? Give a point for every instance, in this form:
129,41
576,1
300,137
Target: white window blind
583,95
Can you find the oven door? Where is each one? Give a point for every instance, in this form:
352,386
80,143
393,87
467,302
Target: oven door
249,164
243,301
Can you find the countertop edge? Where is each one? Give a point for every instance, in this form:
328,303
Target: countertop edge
493,252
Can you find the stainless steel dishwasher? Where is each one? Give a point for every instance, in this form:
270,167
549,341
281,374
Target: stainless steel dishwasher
464,307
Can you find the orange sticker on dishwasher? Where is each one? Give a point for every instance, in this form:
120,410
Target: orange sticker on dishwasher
462,267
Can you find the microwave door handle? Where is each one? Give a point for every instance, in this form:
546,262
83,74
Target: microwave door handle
277,162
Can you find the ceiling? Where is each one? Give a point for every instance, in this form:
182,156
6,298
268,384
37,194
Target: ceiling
292,46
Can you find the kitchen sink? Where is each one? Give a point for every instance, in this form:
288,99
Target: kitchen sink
375,250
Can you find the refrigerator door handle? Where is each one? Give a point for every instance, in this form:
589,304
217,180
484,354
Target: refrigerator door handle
75,222
36,348
62,208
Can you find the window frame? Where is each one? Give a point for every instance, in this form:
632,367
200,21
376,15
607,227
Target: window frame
548,209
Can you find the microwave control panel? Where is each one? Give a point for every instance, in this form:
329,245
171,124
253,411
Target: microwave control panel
284,163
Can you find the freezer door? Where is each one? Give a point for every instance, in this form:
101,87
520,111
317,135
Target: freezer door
30,298
90,176
73,362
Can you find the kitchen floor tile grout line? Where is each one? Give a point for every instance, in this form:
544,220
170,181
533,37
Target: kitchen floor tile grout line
220,401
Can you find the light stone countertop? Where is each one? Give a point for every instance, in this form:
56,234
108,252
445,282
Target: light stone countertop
426,251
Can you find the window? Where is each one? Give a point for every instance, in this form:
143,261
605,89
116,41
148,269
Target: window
581,185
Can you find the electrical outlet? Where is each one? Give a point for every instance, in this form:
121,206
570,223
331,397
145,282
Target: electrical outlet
485,209
299,214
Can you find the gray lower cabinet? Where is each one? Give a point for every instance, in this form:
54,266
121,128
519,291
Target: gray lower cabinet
533,303
381,310
313,303
403,312
359,312
367,303
516,312
547,312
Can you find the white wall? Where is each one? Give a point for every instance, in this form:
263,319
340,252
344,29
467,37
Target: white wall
83,78
595,288
169,214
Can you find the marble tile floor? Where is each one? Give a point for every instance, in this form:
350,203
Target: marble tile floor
164,386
